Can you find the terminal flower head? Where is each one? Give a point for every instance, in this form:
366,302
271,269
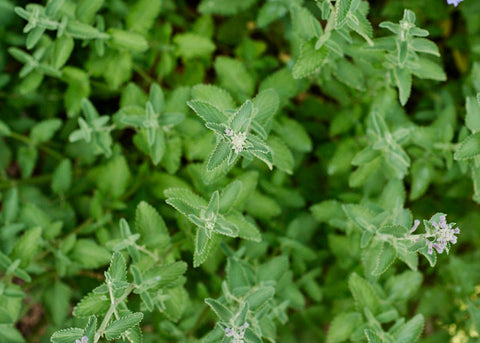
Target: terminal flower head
444,233
237,333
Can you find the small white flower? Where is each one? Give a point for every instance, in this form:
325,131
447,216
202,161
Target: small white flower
84,340
238,140
237,333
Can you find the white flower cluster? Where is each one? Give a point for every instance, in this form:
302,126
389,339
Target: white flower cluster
237,333
237,139
84,340
443,234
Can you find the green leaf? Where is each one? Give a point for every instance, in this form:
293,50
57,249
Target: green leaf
207,111
67,335
191,45
126,40
4,129
220,310
373,337
472,119
342,326
304,24
223,8
396,285
310,60
219,155
282,156
118,267
151,226
118,327
246,229
403,79
266,103
57,300
427,69
234,77
86,9
240,120
294,135
424,45
258,298
91,304
382,256
62,177
469,148
141,16
27,246
342,8
363,293
214,95
229,196
89,254
27,158
203,247
113,177
411,331
270,12
10,205
360,215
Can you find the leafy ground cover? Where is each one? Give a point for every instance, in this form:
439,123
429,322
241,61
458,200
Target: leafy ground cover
239,171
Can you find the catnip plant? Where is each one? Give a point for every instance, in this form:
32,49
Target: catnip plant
239,171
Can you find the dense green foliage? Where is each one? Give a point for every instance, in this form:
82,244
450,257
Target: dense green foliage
239,171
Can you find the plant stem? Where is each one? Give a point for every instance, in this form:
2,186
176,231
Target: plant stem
111,311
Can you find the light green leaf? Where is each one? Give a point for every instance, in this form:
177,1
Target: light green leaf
214,95
229,195
191,45
258,298
220,310
469,148
127,40
141,16
207,111
472,119
62,177
342,326
27,246
234,77
304,24
89,254
118,327
219,155
282,156
91,304
118,267
363,293
310,60
424,45
27,158
67,335
151,226
57,300
427,69
411,331
403,79
342,8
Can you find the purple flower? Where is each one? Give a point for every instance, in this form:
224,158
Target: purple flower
84,340
454,2
443,234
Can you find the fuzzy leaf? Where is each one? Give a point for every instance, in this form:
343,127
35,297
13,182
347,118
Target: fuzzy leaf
118,327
